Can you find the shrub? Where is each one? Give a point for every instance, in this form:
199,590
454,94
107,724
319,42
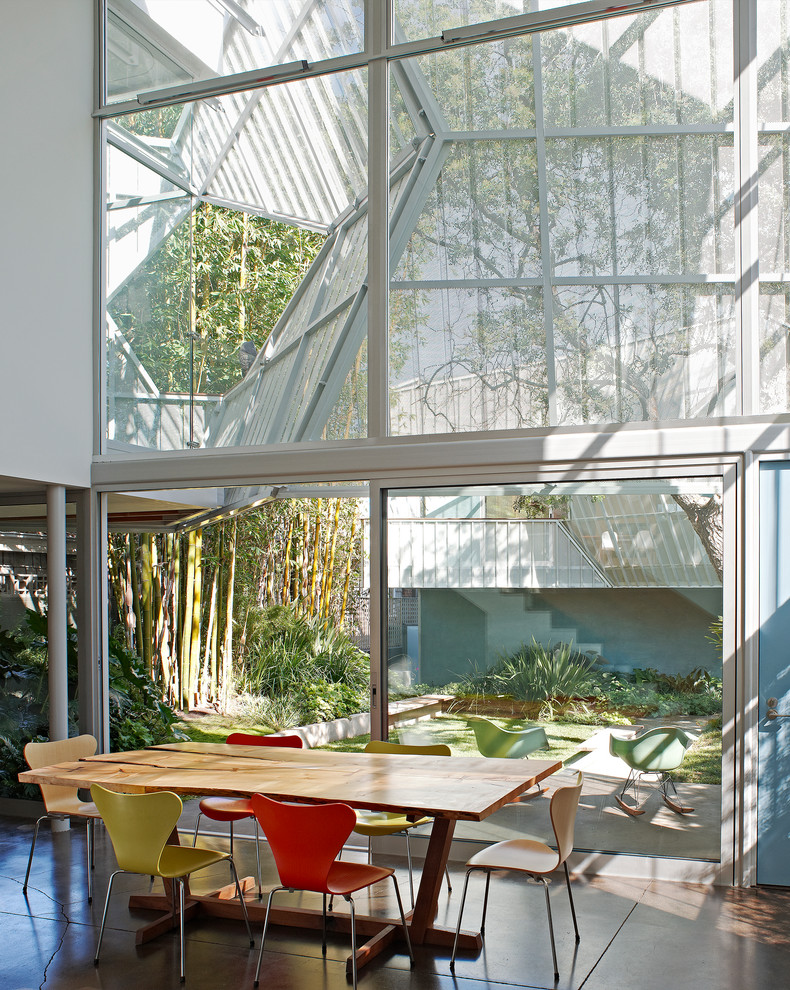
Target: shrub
306,660
536,673
138,716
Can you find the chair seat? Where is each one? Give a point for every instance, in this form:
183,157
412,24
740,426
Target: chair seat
226,809
70,804
372,823
178,861
526,855
344,878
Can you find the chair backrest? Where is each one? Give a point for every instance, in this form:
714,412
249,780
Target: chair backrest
495,742
250,739
45,754
564,803
139,825
401,749
659,749
305,839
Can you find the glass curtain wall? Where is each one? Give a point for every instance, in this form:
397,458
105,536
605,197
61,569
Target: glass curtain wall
590,609
572,255
236,246
563,247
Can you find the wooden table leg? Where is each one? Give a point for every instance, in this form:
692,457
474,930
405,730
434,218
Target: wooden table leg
432,878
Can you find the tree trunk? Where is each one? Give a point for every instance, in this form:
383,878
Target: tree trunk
706,516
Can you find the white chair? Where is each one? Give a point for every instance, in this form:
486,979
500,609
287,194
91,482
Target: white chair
534,858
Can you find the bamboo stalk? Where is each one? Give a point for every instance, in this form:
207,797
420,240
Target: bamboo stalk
146,602
186,633
194,649
227,653
138,618
349,560
331,566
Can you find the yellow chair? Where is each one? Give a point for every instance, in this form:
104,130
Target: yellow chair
375,823
534,858
139,826
63,802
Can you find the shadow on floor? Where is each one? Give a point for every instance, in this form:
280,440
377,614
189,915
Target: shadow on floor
635,933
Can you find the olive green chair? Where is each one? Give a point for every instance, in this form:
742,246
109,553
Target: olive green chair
375,823
658,751
139,826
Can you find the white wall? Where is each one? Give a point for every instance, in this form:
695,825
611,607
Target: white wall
46,240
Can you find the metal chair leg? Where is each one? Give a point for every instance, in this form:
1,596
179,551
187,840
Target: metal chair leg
104,915
323,927
181,939
263,934
231,839
403,919
243,903
460,915
570,898
89,851
551,927
350,900
197,826
411,874
485,905
32,849
258,858
447,878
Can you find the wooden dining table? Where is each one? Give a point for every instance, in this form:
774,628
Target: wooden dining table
447,790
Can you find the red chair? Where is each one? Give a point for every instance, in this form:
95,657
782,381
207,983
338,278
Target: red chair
305,840
228,809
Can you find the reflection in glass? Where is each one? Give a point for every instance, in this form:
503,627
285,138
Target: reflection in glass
577,606
571,255
154,44
237,259
773,50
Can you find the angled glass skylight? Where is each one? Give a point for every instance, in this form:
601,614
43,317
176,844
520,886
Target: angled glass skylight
153,44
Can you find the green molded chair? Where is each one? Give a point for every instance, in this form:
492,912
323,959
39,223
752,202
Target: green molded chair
139,826
534,858
63,802
375,823
498,743
658,751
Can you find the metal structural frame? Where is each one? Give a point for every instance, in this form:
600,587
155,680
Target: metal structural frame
731,447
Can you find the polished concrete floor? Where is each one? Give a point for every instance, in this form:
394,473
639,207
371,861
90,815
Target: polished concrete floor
635,933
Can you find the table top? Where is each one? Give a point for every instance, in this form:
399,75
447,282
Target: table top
456,787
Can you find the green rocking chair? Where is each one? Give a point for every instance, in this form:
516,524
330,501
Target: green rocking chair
658,751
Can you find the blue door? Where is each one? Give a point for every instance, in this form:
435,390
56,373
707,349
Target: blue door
773,779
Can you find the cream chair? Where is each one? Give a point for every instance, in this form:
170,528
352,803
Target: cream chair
534,858
63,802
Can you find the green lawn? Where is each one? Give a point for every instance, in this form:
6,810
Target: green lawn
701,766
